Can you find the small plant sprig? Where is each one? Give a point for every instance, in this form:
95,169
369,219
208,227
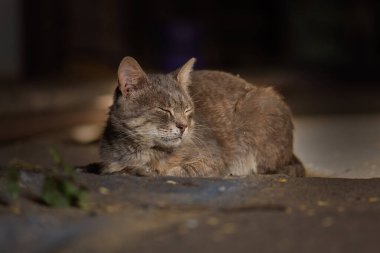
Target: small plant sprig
12,178
60,188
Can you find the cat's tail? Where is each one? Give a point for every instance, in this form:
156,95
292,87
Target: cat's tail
94,168
295,168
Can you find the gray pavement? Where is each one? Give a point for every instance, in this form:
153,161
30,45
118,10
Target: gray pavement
260,214
339,146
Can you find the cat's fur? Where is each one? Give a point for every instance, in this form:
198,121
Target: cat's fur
196,123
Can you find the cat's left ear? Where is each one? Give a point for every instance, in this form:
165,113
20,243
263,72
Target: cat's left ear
131,76
183,74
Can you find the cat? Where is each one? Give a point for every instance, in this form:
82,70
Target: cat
196,124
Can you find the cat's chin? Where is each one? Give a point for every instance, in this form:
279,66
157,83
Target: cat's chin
169,143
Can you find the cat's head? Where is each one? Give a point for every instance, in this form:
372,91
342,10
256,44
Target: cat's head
155,109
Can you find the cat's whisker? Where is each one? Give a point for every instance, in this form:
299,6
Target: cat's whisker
200,143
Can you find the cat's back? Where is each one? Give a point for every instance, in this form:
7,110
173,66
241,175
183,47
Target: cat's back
252,124
222,90
216,83
216,92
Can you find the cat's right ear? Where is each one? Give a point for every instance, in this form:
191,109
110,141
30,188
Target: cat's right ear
131,76
183,74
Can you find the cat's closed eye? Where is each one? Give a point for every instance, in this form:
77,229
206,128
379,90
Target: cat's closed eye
167,111
188,110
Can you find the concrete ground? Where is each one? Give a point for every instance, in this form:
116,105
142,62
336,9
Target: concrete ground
336,209
261,214
339,146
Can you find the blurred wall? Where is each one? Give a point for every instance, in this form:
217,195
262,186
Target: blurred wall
337,37
10,39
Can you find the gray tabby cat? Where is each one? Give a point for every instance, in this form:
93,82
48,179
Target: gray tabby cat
196,124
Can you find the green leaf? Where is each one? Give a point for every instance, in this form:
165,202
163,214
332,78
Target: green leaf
52,193
55,156
69,188
64,192
83,200
13,190
67,169
13,182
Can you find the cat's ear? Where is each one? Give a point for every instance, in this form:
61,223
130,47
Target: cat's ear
131,76
183,74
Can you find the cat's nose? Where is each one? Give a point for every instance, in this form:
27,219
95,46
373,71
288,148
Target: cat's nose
181,127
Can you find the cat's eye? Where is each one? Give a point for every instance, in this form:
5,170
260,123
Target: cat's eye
165,110
188,110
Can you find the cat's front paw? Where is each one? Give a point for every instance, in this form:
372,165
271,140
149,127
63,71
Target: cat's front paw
176,171
192,170
141,171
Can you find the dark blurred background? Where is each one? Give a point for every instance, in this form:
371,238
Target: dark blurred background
58,63
324,56
41,38
319,40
